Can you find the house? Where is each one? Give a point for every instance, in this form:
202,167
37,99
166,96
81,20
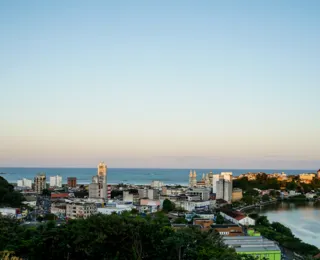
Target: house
231,230
238,217
205,224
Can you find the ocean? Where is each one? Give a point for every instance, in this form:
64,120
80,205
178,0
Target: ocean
127,175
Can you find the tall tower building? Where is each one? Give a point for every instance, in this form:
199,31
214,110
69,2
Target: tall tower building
40,183
98,187
194,179
190,179
224,186
215,178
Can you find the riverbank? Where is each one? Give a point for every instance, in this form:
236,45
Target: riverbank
302,218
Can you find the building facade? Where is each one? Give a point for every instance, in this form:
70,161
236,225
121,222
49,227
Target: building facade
98,187
236,194
157,184
40,183
80,210
56,181
203,193
24,183
224,187
72,182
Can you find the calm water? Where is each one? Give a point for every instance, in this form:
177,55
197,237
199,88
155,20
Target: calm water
303,219
134,176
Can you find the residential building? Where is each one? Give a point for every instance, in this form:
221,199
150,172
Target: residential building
229,230
157,184
80,210
72,182
238,218
215,179
58,208
318,174
306,177
224,187
56,181
236,194
127,196
258,247
150,202
205,224
24,183
117,208
98,187
40,183
204,193
168,191
194,205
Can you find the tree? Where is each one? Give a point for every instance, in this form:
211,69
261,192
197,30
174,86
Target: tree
46,192
180,221
265,197
134,211
168,205
219,219
8,196
263,220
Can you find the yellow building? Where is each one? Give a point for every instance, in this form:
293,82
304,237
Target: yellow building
306,177
236,194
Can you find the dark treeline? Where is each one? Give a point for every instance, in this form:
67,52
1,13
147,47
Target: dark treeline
262,182
112,237
9,197
282,234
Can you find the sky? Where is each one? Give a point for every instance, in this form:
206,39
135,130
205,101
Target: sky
164,84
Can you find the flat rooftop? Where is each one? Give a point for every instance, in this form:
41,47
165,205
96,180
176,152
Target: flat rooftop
250,244
257,249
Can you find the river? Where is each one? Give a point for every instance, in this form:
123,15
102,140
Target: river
302,218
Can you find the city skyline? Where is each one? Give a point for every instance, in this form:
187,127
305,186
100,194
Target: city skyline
160,85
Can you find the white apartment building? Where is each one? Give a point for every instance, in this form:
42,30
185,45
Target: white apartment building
157,184
194,205
224,186
152,194
204,193
56,181
215,178
117,208
24,183
80,210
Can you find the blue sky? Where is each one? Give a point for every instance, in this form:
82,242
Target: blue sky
169,84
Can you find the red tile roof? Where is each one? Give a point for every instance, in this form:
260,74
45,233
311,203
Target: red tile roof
59,195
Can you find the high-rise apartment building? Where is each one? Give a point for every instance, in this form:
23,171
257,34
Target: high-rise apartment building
56,181
72,182
24,183
98,187
215,178
40,183
224,186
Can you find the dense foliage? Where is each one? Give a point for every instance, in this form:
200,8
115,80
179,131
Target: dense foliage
112,237
282,234
262,182
9,197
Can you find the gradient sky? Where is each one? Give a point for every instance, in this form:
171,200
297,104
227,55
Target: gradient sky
195,84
